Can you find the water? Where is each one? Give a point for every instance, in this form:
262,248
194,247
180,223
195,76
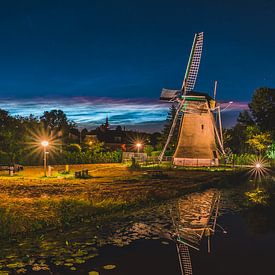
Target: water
136,243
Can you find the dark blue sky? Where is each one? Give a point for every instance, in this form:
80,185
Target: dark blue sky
133,48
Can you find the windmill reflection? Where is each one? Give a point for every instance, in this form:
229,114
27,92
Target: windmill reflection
194,218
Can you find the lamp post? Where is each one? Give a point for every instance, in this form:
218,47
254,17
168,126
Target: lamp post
138,147
45,144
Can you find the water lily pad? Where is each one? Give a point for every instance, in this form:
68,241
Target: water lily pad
93,273
88,257
58,262
3,272
109,266
68,264
79,261
10,256
15,265
36,268
73,268
21,270
166,243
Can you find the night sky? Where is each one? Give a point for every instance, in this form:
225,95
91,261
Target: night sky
64,53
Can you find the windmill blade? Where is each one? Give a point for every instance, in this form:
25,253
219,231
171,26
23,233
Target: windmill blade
184,259
193,65
215,89
169,95
171,129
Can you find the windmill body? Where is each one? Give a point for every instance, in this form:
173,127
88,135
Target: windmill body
198,133
196,142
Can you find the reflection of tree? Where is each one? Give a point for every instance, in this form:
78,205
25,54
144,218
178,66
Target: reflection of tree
260,212
259,196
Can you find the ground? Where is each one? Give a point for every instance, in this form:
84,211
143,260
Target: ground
30,202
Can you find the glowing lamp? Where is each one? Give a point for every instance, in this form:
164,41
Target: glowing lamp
44,143
138,146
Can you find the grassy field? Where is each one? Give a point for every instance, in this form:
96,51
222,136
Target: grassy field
29,202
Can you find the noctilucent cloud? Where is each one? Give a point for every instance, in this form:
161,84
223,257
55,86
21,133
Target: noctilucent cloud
130,49
136,114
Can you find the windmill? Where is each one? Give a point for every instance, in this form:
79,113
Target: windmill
198,132
195,218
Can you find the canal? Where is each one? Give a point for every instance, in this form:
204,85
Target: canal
138,243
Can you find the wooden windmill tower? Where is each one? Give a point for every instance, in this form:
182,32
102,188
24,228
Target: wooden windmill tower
198,133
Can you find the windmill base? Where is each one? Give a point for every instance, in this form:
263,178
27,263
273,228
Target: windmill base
195,162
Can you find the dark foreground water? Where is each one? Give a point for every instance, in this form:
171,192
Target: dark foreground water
136,244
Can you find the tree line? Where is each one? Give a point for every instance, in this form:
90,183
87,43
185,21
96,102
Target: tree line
20,141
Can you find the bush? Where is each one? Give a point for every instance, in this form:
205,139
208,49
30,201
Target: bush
90,157
156,153
243,159
271,151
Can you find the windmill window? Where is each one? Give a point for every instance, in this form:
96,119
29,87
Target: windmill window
202,126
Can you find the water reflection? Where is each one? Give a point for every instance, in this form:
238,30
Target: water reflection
195,217
78,249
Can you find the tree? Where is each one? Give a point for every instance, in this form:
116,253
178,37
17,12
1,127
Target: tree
154,139
148,149
262,108
245,118
258,141
235,139
5,118
255,128
11,128
57,121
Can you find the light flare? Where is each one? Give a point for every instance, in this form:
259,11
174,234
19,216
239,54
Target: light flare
258,168
39,139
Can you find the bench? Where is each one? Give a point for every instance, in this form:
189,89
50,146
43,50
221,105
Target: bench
155,173
15,167
11,168
81,174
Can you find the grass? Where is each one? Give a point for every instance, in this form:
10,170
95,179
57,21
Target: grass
29,202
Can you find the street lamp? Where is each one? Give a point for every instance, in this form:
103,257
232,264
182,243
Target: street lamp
138,146
45,144
228,105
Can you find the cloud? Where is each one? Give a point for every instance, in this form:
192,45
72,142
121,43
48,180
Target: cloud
91,112
138,113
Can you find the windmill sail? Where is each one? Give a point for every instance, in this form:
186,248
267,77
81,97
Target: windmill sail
191,72
193,64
